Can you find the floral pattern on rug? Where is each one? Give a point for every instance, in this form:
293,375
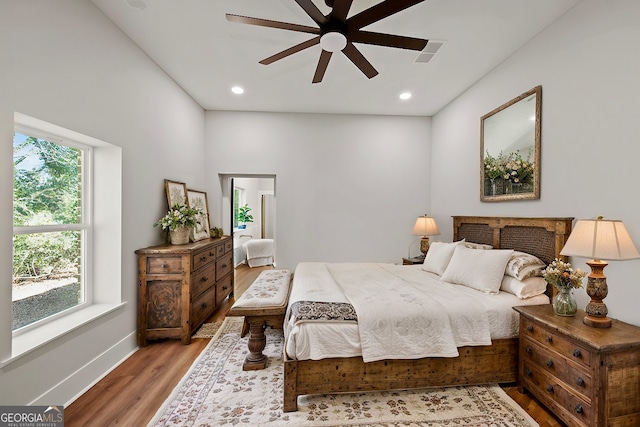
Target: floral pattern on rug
217,392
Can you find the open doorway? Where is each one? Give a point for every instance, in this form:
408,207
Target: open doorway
252,216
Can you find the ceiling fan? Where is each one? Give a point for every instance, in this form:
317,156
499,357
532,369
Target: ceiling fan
336,32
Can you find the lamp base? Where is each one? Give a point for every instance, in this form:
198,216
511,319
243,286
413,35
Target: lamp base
597,322
424,245
597,289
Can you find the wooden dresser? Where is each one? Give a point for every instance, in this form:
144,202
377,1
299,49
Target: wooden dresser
586,376
179,286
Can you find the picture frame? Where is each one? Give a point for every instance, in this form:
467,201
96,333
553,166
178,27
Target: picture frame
176,193
198,200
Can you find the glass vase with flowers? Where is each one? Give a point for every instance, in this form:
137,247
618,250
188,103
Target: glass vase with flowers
564,278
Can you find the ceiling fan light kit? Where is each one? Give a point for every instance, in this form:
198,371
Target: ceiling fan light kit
337,32
333,41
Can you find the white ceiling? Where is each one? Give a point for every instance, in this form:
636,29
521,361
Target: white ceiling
192,41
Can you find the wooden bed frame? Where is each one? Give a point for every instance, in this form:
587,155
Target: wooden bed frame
497,363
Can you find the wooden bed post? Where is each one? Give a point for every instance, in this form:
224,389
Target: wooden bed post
290,403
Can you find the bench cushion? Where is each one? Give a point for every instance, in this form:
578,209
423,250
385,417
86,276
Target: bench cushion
270,290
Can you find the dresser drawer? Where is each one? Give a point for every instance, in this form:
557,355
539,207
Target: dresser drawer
164,265
203,257
228,246
203,279
202,307
220,250
225,287
224,266
553,394
555,342
578,379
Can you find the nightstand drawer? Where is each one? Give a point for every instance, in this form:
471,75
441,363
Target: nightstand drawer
555,342
578,379
553,394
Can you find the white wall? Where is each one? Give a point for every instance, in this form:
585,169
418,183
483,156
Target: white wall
349,188
65,63
588,65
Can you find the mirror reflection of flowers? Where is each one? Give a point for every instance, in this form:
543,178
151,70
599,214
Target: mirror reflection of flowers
561,275
179,215
518,170
494,167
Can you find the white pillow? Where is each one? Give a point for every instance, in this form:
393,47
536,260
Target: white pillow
523,265
481,270
438,256
524,288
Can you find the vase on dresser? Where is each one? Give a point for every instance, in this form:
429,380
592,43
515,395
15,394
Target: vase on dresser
564,304
179,236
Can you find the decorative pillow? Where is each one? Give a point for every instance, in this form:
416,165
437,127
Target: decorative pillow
523,265
526,288
480,270
472,245
438,256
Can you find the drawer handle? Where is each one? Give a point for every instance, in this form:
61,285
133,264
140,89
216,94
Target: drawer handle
528,372
211,254
550,388
204,278
224,288
549,339
577,353
203,258
549,363
224,265
579,409
164,265
528,350
204,305
530,328
580,381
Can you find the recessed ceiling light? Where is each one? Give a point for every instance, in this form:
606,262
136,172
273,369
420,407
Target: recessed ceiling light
237,90
405,95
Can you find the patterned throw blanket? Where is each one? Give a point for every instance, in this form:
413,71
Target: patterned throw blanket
314,310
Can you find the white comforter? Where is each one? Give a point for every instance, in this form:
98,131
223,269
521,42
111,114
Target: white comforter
403,313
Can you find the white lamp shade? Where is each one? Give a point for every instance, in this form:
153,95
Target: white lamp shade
425,226
600,239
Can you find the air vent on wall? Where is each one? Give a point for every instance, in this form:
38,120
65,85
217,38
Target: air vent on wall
430,50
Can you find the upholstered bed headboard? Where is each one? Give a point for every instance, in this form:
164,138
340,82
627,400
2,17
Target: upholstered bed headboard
542,237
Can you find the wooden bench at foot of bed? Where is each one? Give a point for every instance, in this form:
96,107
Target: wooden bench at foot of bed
497,363
263,304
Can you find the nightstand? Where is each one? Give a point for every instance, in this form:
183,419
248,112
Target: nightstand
586,376
412,261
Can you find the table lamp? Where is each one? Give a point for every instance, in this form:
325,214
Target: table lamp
425,226
600,239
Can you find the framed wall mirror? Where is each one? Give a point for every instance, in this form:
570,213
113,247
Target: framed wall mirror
510,149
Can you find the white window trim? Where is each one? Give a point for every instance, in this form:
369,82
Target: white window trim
104,267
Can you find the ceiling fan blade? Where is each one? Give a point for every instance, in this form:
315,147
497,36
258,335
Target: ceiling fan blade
297,48
341,10
325,56
359,60
388,40
313,11
272,24
378,12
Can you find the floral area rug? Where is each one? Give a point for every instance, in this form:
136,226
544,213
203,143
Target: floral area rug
207,330
217,392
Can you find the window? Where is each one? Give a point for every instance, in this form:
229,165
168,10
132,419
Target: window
239,199
51,226
67,235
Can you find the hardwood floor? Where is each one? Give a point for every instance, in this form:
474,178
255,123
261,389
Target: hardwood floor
131,394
